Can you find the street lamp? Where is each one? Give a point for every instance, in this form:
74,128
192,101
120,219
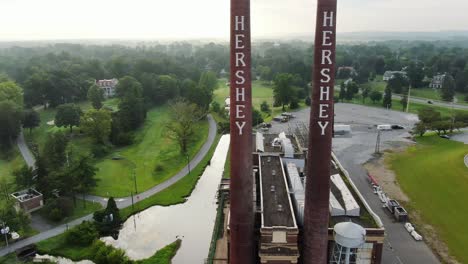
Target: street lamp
188,163
5,230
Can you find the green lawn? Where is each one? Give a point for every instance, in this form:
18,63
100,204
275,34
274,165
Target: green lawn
9,163
152,147
176,193
261,91
80,210
435,178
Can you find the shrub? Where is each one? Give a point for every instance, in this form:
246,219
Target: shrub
158,168
264,107
294,104
57,209
83,234
99,150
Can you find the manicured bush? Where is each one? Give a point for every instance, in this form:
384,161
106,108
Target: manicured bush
82,235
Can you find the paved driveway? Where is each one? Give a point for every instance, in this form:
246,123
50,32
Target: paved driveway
353,151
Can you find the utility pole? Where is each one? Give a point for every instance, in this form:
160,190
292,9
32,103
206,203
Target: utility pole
408,99
188,163
377,143
134,214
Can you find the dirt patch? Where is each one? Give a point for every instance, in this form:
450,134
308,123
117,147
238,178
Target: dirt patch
386,178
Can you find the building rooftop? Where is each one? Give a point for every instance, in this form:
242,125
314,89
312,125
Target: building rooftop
275,200
26,195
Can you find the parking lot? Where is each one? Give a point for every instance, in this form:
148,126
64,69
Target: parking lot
354,150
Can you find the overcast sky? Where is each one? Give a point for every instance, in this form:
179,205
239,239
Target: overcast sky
155,19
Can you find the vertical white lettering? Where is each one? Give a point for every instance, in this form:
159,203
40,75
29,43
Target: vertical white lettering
240,125
240,58
239,41
323,126
324,93
326,56
324,72
240,94
326,38
322,110
239,111
239,75
327,18
239,22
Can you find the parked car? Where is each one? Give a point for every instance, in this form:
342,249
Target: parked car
397,127
429,102
384,127
445,136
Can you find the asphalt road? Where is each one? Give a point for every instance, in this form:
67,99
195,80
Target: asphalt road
25,152
122,202
353,151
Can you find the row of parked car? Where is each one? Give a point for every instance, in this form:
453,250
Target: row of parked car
397,211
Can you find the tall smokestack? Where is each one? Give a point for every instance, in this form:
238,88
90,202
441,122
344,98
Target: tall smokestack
241,193
316,211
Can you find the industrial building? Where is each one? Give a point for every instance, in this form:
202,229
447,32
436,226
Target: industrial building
280,176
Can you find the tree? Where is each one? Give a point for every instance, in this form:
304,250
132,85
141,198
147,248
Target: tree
54,151
97,124
415,75
351,90
265,73
108,220
256,117
95,96
216,107
181,125
9,90
10,120
265,107
375,96
31,119
209,80
447,92
342,95
81,174
282,91
68,115
365,93
83,234
308,101
398,83
132,111
420,128
404,101
24,177
387,99
428,115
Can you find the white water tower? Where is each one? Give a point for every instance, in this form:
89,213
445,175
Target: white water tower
348,238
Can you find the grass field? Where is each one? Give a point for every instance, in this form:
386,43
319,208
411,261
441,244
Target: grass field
434,176
11,163
152,147
176,193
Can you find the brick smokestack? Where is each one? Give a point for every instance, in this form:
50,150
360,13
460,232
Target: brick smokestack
316,211
241,193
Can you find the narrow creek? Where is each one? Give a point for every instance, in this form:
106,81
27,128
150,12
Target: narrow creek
191,221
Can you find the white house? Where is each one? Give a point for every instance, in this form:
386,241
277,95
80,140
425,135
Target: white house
108,86
437,81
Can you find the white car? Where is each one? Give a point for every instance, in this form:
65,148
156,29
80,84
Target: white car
409,227
416,236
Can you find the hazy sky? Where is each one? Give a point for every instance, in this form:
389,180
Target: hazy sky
153,19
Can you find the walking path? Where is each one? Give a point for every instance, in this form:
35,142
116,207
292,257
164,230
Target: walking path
122,202
25,152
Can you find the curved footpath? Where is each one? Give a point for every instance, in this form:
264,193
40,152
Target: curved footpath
121,202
